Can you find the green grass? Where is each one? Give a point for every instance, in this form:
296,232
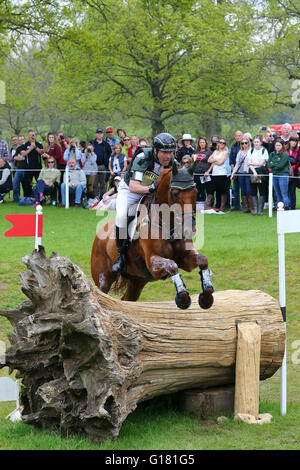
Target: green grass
242,253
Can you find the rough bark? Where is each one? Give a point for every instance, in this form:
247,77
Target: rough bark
87,359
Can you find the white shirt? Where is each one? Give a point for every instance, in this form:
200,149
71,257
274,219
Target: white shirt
219,169
257,156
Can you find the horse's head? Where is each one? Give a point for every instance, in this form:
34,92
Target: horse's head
177,188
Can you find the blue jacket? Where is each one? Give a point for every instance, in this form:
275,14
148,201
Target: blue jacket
235,148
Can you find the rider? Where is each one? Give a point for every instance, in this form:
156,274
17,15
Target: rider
140,179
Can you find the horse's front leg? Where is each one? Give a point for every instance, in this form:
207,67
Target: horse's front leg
190,260
161,268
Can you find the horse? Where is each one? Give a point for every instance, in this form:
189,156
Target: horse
154,257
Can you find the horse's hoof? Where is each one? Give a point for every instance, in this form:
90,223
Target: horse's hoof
181,303
204,302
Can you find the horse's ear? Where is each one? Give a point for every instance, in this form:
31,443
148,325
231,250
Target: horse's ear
174,169
192,168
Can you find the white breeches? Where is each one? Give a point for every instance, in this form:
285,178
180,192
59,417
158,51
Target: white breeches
125,199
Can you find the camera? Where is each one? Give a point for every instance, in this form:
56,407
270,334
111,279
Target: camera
32,136
72,147
89,150
62,137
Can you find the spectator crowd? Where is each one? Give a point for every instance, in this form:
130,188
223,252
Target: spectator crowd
228,177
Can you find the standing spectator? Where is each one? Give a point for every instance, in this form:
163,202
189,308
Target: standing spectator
219,171
278,163
20,165
5,178
214,142
90,169
32,151
48,181
126,146
121,134
110,139
294,153
117,162
103,151
73,151
3,148
12,151
241,170
235,148
202,166
76,184
256,162
52,148
133,148
187,147
268,141
286,132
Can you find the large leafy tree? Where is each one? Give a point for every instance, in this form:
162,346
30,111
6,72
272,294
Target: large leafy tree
156,60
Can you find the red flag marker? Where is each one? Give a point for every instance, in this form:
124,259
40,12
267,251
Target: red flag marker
23,225
26,225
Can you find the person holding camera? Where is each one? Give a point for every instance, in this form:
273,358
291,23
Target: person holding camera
32,151
73,151
89,167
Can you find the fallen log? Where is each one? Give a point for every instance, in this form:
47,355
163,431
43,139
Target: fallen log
86,359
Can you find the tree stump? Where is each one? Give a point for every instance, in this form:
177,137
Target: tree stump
86,359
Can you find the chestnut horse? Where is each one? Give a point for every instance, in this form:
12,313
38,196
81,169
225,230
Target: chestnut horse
153,258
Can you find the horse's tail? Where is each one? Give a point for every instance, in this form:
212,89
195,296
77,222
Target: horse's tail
120,284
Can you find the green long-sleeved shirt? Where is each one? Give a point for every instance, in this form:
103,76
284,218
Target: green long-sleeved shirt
279,164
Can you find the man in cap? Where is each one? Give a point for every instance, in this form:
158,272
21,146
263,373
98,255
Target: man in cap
140,179
103,151
110,139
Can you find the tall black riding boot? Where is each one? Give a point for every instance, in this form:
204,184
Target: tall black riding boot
121,242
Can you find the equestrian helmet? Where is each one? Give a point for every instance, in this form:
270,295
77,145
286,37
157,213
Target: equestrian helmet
164,142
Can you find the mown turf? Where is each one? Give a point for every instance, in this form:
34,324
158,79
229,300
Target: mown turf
242,253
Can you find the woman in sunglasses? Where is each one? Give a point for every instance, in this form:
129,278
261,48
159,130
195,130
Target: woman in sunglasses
241,170
219,171
49,180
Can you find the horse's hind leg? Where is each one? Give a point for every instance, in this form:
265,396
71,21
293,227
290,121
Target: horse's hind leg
134,289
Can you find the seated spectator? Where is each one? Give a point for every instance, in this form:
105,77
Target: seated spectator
278,163
256,162
202,166
117,163
187,147
5,178
186,161
52,148
108,200
133,148
76,184
241,171
73,151
219,172
90,168
48,182
294,155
